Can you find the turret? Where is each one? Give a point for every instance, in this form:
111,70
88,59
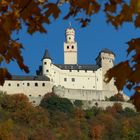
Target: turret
105,60
70,47
46,64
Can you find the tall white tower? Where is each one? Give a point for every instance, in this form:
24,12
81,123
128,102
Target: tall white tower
70,47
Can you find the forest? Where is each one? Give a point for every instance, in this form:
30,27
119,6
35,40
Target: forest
60,119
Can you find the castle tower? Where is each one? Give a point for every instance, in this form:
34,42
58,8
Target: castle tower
46,64
70,47
105,60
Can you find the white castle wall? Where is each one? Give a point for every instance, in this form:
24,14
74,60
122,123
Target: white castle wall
28,88
80,94
90,97
83,79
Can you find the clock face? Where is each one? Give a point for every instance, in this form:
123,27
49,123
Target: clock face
70,38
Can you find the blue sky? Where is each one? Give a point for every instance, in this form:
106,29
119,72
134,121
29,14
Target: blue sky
91,40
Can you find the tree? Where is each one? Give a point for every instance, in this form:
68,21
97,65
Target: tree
14,14
54,103
117,97
78,103
14,102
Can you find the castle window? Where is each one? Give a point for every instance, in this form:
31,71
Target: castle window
9,84
17,85
65,79
85,70
72,47
39,95
30,95
70,70
67,47
43,84
78,70
28,84
73,79
36,84
34,102
45,63
69,38
47,70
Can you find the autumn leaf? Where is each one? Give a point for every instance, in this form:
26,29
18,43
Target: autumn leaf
137,21
4,74
52,9
120,80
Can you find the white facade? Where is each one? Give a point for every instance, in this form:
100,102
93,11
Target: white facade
71,80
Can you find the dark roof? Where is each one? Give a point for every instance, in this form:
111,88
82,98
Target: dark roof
105,50
46,55
30,78
77,67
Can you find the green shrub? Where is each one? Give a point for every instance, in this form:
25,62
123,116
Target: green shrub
54,103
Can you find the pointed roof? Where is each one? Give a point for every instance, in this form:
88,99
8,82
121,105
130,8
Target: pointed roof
105,50
46,55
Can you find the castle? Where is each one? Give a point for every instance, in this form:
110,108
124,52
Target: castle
71,80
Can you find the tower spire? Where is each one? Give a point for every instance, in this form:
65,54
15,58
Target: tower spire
70,25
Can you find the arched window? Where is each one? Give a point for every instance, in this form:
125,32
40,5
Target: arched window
72,47
43,84
28,84
67,47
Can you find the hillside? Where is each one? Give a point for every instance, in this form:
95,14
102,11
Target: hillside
58,119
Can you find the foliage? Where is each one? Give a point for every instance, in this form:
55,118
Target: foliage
78,103
117,97
38,123
52,102
34,14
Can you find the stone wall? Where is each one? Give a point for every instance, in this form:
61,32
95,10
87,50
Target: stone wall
80,94
104,104
90,97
